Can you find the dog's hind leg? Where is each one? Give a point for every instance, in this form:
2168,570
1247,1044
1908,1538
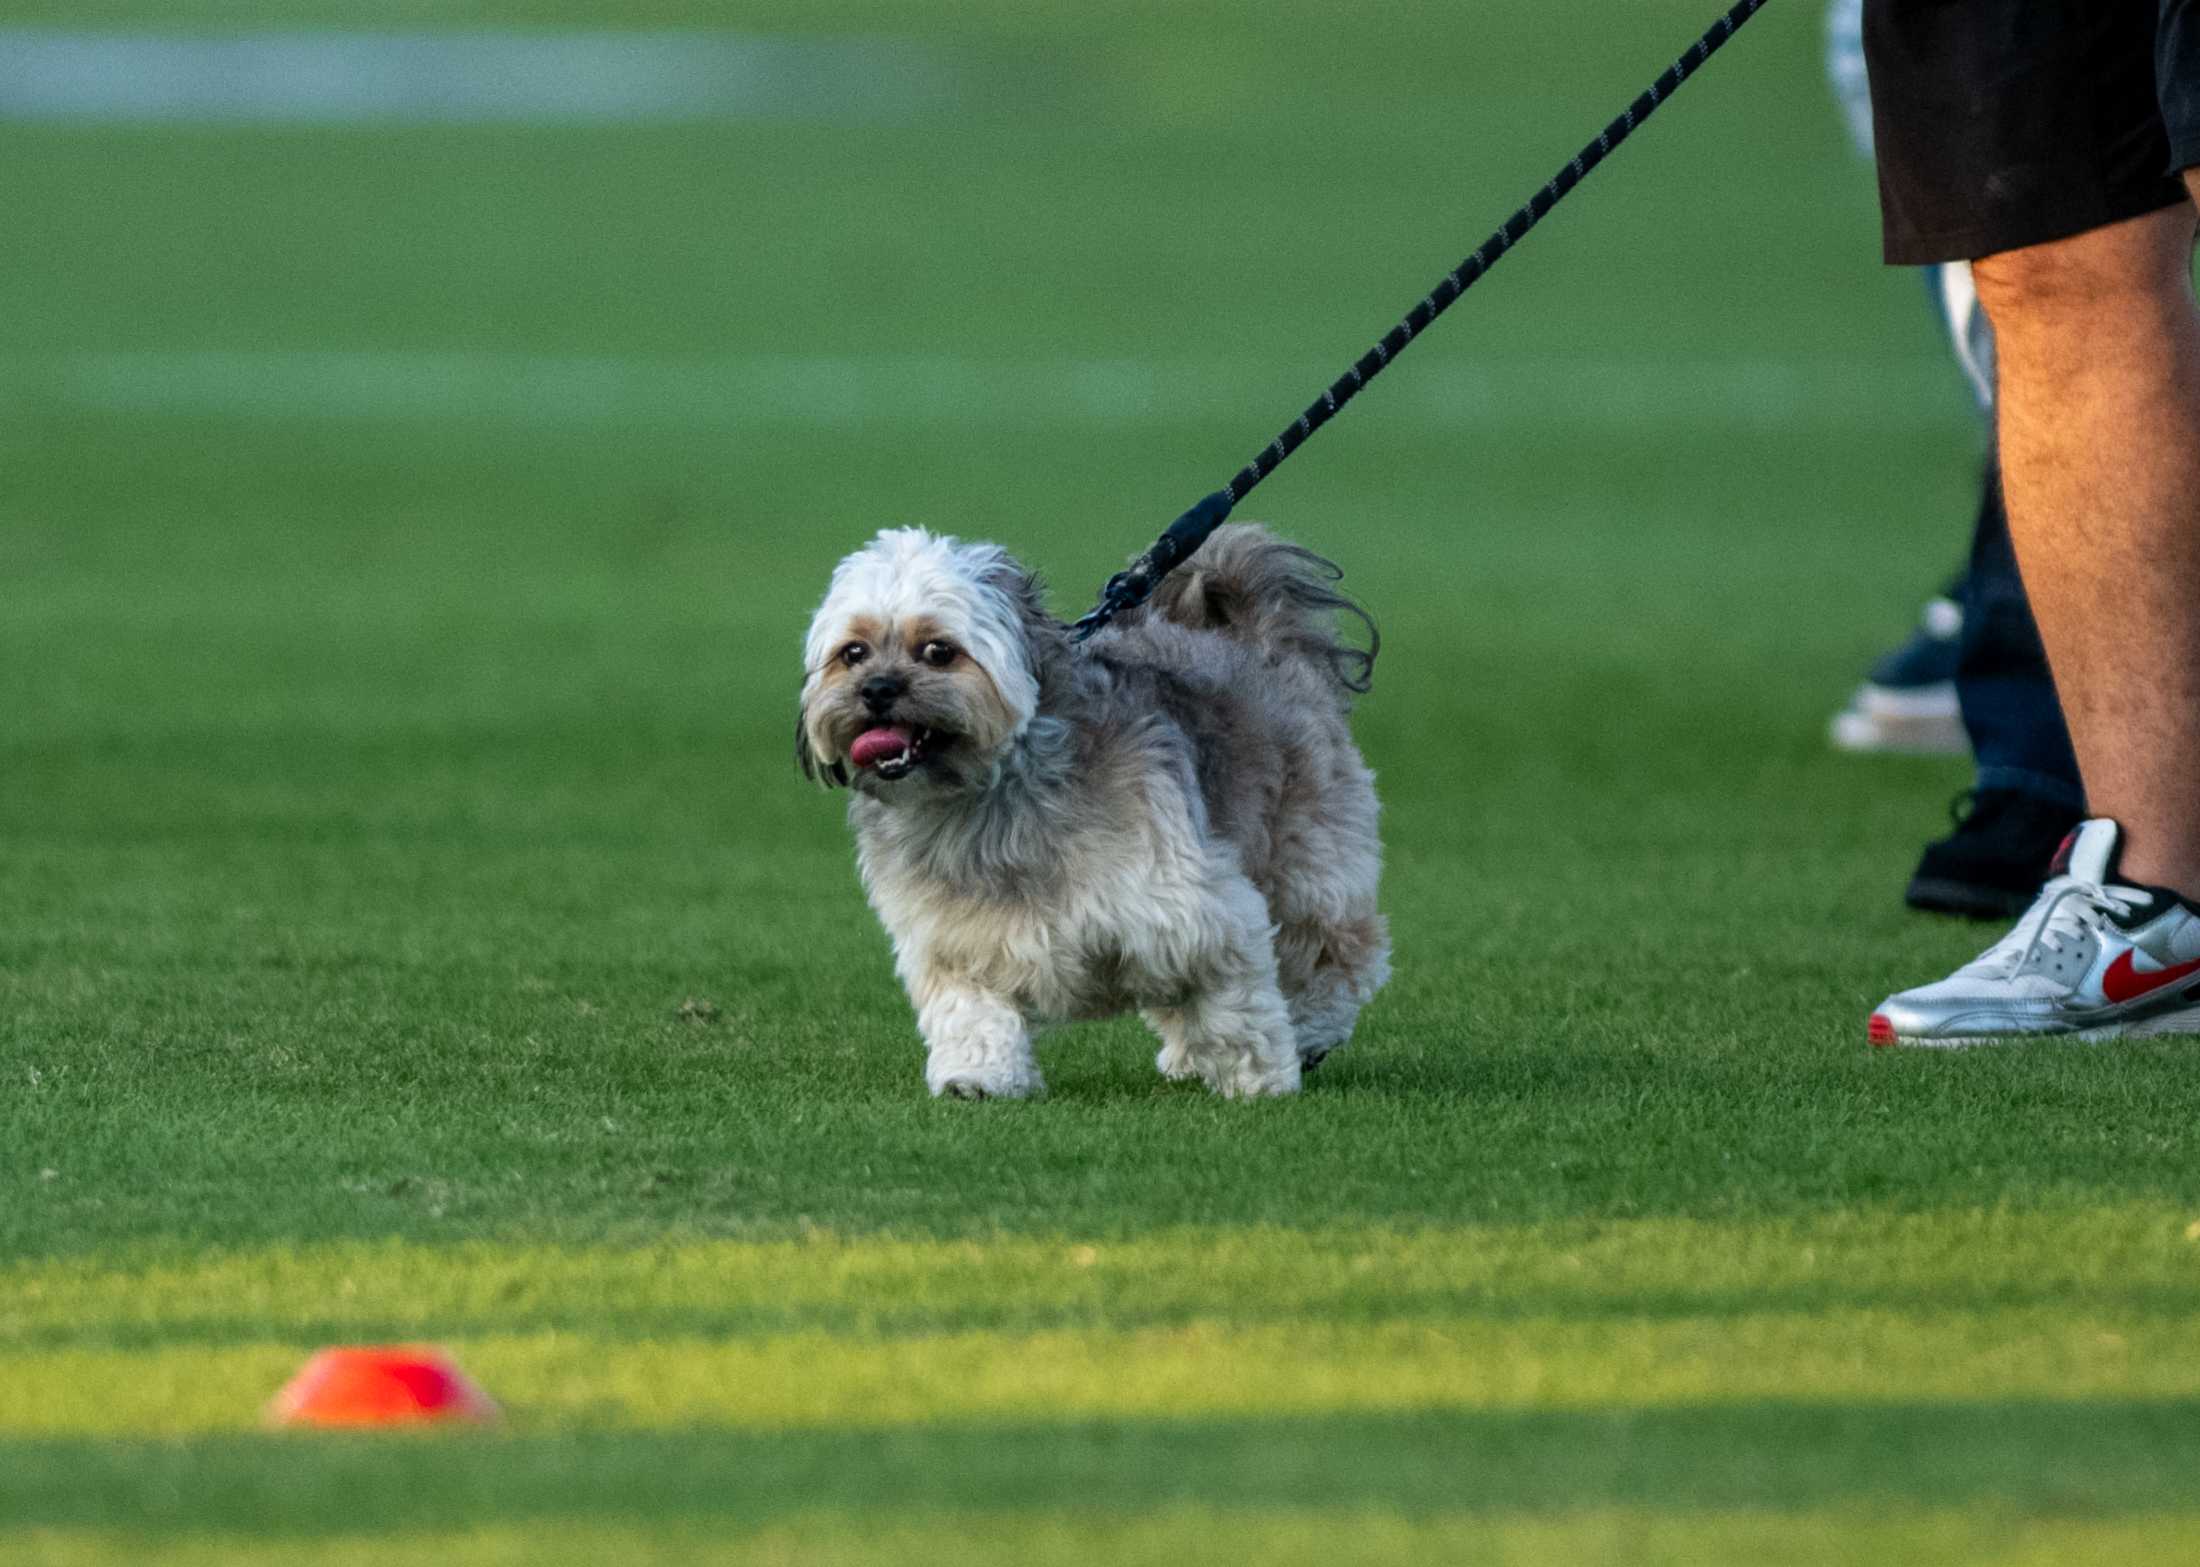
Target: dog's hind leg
1329,971
1237,1040
1233,1031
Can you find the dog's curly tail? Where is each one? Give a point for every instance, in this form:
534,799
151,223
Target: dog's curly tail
1247,583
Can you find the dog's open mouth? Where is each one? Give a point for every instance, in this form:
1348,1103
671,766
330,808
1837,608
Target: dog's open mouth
891,750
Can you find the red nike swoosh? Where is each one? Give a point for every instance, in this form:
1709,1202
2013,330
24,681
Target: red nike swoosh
2123,981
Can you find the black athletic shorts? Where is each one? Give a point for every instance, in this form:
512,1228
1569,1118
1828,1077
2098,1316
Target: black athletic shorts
2004,123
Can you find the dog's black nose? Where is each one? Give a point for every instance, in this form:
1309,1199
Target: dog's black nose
880,691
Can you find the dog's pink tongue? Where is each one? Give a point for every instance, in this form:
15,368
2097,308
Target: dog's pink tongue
874,746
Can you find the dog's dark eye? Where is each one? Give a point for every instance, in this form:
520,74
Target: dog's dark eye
938,654
853,654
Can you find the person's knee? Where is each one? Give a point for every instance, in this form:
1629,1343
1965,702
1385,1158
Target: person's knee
2104,273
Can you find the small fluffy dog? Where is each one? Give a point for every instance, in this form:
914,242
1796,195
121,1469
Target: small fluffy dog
1170,817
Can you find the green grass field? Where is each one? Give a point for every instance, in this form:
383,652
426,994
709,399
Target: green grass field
405,538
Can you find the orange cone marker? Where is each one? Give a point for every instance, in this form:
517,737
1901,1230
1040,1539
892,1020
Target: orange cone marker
403,1385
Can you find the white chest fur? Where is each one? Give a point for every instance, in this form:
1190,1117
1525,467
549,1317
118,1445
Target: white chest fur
1114,917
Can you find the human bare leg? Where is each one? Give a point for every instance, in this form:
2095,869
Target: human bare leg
2099,339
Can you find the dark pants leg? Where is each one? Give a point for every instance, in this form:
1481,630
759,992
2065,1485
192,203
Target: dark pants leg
2002,682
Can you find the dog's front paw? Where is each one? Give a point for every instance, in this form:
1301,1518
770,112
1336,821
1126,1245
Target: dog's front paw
984,1083
976,1047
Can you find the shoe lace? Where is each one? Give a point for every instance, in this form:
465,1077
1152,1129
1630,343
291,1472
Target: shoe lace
2066,911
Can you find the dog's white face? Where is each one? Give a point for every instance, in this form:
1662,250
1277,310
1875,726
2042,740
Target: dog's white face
917,666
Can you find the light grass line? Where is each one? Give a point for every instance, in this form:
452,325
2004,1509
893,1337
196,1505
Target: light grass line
834,1333
576,1379
333,77
887,1284
762,392
1170,1536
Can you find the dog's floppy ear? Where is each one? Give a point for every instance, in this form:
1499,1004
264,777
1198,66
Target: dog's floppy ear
826,776
1046,638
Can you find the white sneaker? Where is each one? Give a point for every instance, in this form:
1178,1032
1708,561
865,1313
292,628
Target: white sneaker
1907,704
2091,957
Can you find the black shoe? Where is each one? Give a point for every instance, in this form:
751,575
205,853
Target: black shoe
1991,867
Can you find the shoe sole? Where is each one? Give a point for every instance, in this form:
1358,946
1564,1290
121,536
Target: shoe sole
1940,895
1911,704
1898,734
2185,1020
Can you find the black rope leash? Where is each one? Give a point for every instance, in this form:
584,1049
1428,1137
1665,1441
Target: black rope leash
1130,587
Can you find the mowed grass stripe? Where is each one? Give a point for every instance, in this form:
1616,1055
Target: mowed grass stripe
536,77
1212,1367
1784,1461
2134,1262
1298,1537
836,1333
782,390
